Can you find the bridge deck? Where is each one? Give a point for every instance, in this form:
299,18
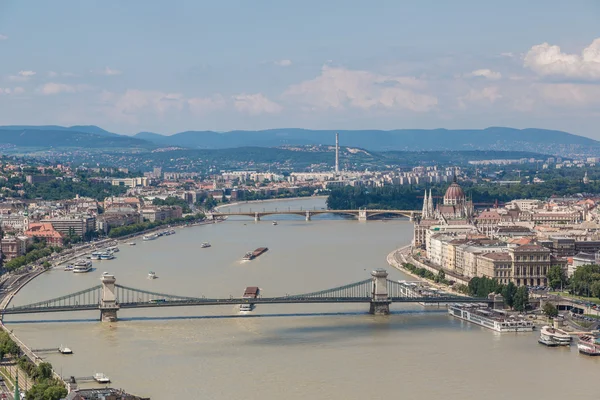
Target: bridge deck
236,301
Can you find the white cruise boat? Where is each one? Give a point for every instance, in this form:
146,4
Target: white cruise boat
151,236
106,256
490,319
96,255
550,336
113,249
588,345
82,265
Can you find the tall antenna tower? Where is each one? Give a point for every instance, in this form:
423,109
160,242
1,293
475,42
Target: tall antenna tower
337,153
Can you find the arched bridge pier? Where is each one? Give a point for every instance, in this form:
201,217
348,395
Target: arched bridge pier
110,297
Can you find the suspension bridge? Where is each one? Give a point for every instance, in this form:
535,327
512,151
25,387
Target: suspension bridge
361,214
109,298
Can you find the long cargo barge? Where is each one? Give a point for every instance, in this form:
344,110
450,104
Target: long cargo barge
251,292
251,255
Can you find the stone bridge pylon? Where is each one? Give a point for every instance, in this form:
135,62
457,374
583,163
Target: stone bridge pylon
108,301
380,300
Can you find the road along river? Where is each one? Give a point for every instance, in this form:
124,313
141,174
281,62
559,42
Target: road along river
287,351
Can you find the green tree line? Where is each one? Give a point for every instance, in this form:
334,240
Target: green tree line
143,226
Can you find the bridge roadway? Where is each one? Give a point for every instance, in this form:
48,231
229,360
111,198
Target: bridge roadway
110,297
361,214
237,301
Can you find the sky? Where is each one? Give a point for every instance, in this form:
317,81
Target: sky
171,66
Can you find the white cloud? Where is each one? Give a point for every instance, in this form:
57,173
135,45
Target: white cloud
52,74
283,63
486,73
56,88
21,76
15,90
133,104
255,104
507,54
3,37
338,88
205,105
545,59
107,71
487,94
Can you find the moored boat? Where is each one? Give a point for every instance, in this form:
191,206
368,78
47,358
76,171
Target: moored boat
550,336
588,345
151,275
491,319
131,243
82,265
69,268
205,245
106,256
151,236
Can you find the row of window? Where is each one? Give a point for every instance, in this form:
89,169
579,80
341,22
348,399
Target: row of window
533,258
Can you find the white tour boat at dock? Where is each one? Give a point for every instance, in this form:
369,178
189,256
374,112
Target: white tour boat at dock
151,236
491,319
82,265
552,337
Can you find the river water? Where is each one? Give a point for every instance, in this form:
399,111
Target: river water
288,351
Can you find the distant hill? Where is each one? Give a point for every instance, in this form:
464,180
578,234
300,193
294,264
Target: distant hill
54,137
495,138
490,139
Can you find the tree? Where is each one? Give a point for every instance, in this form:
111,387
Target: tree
509,294
550,310
583,278
441,277
556,277
43,371
521,299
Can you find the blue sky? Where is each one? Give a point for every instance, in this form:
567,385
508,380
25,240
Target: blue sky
169,66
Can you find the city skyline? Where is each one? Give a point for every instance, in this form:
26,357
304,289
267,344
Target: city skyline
203,66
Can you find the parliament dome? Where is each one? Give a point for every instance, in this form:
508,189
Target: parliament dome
454,194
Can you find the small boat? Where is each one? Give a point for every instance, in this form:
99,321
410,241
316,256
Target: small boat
152,236
248,256
131,243
151,275
113,249
69,268
96,255
64,350
101,378
205,245
274,222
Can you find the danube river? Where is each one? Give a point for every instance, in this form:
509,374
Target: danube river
288,352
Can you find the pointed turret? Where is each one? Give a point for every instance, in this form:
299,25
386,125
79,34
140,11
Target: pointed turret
586,180
425,212
430,209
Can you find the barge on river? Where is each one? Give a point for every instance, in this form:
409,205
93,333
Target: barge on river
251,255
491,319
251,292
